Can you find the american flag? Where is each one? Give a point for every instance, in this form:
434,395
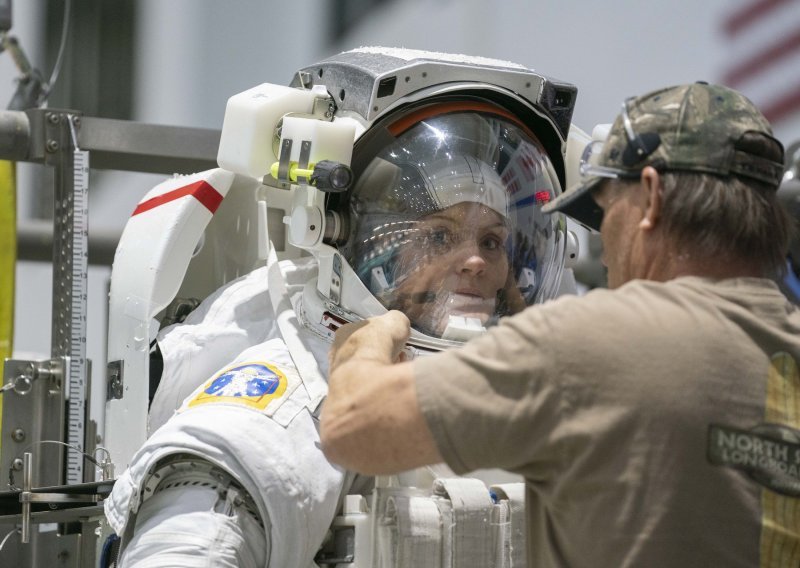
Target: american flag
762,53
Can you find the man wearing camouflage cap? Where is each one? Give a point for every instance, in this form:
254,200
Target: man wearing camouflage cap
656,423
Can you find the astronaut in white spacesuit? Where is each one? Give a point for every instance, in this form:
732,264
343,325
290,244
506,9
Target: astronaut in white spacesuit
443,222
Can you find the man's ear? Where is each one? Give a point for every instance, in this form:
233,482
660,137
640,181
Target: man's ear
652,195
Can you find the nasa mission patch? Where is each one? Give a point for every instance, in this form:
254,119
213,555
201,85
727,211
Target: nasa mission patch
253,384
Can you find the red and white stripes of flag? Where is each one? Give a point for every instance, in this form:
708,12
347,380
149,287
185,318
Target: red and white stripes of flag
762,46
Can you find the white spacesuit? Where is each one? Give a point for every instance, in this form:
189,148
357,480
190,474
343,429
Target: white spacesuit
451,163
269,448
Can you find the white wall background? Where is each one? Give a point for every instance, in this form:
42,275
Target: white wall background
193,54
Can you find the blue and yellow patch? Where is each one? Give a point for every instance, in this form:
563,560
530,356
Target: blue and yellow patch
253,384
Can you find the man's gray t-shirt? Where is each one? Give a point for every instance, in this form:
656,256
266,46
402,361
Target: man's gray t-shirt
655,425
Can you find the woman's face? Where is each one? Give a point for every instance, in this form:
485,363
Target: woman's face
455,263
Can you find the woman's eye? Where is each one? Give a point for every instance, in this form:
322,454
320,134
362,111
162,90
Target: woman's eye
439,237
491,243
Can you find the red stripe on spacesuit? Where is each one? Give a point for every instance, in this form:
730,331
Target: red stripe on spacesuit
201,190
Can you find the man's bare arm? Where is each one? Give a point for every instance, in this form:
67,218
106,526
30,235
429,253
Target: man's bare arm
371,422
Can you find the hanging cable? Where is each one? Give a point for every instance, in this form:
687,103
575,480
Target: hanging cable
60,57
13,487
12,531
32,90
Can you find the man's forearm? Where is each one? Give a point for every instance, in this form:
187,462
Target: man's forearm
371,422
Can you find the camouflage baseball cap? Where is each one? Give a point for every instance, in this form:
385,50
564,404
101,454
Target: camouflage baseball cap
696,128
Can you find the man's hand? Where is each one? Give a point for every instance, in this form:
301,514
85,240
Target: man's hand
371,422
379,339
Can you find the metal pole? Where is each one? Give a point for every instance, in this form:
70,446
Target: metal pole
27,485
35,242
14,135
59,154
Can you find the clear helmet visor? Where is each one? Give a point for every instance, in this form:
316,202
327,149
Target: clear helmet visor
446,223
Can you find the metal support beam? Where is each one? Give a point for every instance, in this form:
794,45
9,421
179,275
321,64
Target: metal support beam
59,154
35,243
126,145
14,135
114,144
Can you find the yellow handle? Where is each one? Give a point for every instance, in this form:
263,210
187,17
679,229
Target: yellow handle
294,171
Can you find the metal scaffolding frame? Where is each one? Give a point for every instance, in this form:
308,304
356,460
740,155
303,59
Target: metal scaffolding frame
60,139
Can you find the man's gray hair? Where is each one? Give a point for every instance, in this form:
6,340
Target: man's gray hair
726,218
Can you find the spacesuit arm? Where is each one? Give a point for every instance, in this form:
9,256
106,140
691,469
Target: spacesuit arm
371,421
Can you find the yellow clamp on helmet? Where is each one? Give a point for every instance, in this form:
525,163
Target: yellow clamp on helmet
325,175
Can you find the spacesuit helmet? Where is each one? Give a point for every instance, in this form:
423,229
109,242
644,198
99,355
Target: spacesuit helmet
446,162
445,221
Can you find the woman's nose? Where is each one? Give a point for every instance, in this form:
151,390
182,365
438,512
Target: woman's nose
469,258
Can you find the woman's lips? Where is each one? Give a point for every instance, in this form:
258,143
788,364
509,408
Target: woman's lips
470,302
469,292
